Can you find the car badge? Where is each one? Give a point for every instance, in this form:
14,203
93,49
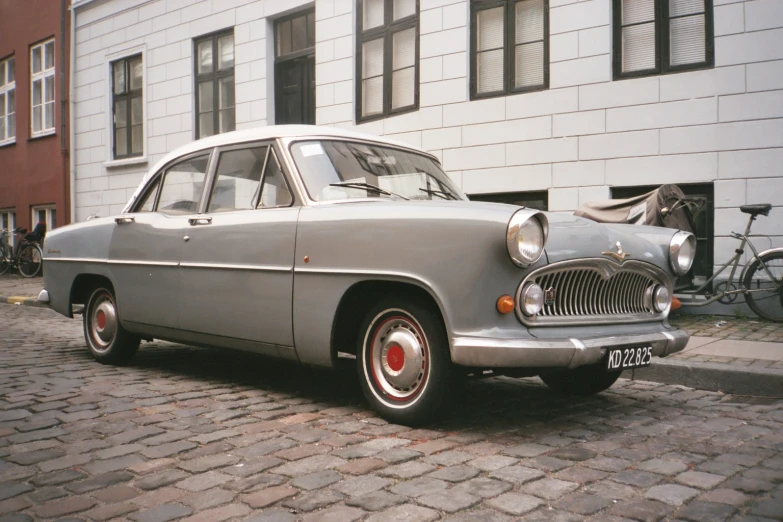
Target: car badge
549,296
619,255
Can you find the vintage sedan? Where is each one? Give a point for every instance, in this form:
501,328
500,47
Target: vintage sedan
317,245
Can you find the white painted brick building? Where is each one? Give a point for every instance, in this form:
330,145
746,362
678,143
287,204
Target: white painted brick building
576,139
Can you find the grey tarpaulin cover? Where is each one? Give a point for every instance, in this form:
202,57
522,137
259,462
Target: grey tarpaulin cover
642,210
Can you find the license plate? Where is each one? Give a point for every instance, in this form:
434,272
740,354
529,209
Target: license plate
627,358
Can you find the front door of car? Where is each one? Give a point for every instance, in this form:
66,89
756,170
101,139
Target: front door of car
147,242
236,270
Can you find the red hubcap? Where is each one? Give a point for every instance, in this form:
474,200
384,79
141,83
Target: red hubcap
101,320
395,358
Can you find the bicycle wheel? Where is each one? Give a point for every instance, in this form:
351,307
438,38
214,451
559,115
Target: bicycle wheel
30,260
5,258
767,298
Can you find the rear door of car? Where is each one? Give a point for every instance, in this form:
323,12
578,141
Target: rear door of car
236,269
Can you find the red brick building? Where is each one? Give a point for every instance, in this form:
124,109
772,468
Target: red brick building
34,71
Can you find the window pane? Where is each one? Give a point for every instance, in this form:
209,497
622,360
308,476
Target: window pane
206,125
121,142
205,57
529,21
226,87
684,7
2,73
53,219
37,118
226,50
275,191
404,49
37,94
238,177
49,111
137,139
136,73
149,198
205,97
49,55
120,114
2,128
11,101
403,87
49,91
136,111
11,125
639,47
10,69
687,40
299,30
2,104
372,58
182,185
529,65
227,120
119,77
635,11
489,69
403,8
490,29
311,30
372,96
372,13
284,38
37,59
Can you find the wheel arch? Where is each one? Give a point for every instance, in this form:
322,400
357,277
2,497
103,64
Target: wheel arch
84,284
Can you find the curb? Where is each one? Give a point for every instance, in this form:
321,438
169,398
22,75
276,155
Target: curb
734,380
24,301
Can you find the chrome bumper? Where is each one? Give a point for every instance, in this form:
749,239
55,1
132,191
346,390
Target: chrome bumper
487,352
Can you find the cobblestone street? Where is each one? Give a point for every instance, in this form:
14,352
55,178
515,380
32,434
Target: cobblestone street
198,434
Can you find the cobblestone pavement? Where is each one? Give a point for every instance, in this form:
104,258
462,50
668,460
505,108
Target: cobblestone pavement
204,434
729,327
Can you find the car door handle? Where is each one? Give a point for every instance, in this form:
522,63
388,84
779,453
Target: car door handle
200,221
124,219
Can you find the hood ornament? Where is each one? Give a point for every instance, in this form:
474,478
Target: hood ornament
619,255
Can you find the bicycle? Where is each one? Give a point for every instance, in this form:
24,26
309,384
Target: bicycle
28,257
761,279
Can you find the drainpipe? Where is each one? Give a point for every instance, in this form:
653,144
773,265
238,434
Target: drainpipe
63,100
71,126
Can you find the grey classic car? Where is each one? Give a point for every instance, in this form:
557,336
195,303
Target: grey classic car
317,245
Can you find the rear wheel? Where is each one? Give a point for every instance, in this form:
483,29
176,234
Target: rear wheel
5,258
107,340
585,380
30,260
766,287
404,365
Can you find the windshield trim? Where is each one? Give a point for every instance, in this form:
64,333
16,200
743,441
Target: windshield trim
289,142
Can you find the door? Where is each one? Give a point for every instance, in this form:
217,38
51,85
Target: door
295,101
236,270
146,244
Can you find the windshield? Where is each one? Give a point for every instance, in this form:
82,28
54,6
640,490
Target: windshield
335,170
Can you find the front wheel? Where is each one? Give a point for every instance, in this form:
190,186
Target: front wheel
765,287
30,260
107,340
585,380
405,370
5,258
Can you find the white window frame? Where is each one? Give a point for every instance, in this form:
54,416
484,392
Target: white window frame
108,60
48,213
41,76
6,69
11,214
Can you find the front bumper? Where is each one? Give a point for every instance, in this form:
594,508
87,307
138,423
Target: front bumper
488,352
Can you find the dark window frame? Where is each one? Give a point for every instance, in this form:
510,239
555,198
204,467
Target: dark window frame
514,198
387,31
662,42
128,96
215,76
509,54
306,51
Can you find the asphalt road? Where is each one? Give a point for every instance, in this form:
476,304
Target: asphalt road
205,434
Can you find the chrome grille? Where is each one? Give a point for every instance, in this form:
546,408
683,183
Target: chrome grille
595,291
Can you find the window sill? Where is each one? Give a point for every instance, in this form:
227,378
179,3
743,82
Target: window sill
42,135
138,160
8,143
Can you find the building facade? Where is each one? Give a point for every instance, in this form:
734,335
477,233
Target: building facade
34,72
550,103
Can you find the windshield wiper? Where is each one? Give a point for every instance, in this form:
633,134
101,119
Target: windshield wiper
367,186
440,193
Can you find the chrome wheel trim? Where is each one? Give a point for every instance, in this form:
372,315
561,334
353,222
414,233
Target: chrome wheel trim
398,384
103,323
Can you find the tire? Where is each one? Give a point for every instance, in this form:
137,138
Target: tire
404,365
767,305
30,260
5,258
582,381
107,340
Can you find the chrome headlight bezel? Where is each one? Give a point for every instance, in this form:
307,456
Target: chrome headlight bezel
680,265
519,221
530,299
657,298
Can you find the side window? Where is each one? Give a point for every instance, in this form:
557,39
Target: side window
148,201
238,178
182,186
274,192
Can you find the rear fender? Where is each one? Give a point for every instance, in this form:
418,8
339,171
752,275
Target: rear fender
761,254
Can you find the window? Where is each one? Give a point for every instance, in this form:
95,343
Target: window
295,68
7,102
182,186
127,107
8,222
42,85
215,84
45,214
538,200
147,202
509,43
661,36
387,58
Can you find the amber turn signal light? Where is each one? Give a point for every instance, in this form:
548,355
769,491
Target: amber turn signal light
505,304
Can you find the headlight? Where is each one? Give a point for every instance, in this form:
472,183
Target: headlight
657,297
526,236
682,250
531,299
